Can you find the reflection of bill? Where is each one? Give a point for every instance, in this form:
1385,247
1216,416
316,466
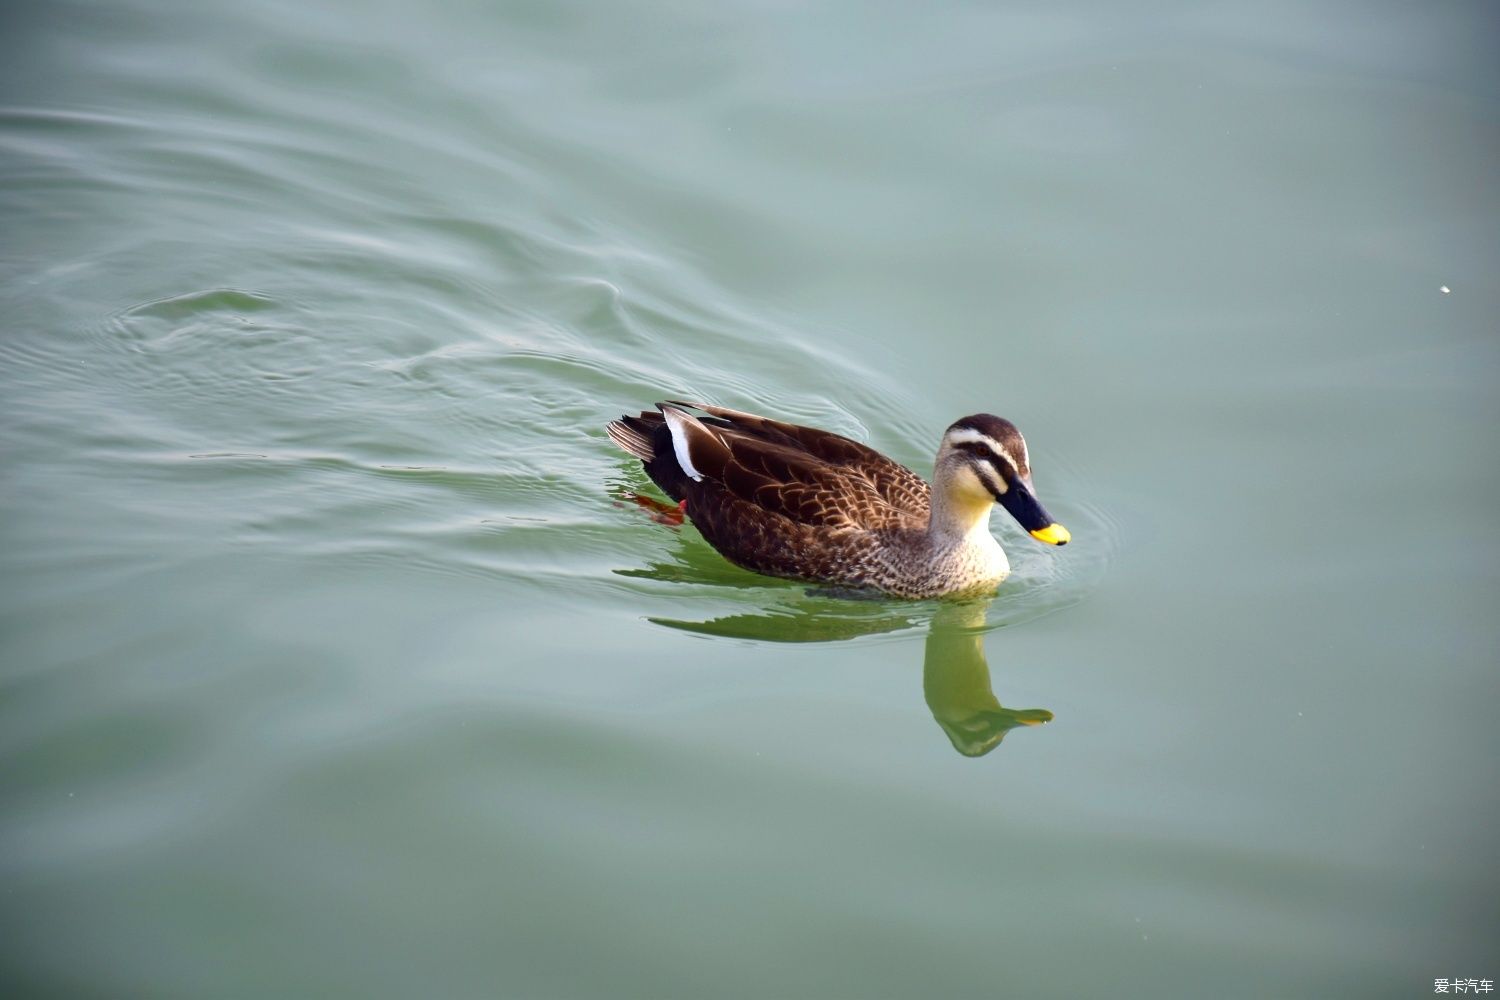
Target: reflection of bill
956,683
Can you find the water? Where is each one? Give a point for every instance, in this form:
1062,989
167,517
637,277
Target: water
337,661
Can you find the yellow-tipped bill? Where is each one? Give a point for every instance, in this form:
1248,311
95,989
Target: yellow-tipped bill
1052,534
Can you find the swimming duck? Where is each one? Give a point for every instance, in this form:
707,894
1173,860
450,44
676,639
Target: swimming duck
809,504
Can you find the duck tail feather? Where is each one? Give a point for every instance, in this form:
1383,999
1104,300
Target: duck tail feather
633,435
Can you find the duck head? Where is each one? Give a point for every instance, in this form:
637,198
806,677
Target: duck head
982,461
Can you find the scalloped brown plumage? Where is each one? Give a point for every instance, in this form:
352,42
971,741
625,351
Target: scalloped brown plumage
779,498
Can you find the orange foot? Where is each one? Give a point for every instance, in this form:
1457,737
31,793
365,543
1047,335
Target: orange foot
662,513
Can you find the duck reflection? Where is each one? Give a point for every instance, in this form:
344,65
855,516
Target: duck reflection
955,674
956,683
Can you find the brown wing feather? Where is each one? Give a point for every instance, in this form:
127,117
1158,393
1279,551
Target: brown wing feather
777,498
798,486
751,535
891,481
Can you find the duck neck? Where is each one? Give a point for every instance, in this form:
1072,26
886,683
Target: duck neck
958,520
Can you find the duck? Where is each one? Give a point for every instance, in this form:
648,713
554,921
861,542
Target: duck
807,504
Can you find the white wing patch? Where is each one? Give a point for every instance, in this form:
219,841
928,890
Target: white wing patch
678,424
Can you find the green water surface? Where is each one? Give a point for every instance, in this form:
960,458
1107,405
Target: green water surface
337,661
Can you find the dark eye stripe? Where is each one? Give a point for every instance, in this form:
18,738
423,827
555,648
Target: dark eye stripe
975,448
985,452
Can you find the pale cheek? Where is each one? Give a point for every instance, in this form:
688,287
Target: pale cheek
972,489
